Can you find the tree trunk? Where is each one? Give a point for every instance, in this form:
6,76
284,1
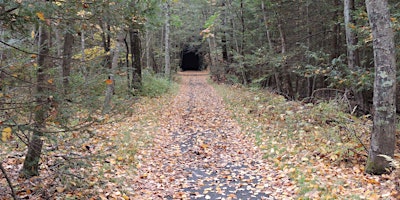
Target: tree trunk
148,39
66,60
83,58
128,66
285,67
106,38
353,60
110,84
167,68
31,162
351,37
335,31
383,138
266,26
136,61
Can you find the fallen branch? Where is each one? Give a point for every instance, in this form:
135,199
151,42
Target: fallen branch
8,181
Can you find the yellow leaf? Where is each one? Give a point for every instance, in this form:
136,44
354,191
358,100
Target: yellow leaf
33,34
120,158
109,81
60,189
125,197
204,146
6,134
50,81
40,15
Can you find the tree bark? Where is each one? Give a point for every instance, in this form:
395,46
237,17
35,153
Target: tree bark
43,100
351,37
353,60
167,68
66,60
335,31
285,67
266,26
136,61
111,85
383,138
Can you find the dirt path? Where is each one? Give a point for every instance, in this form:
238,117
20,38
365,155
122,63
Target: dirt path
201,153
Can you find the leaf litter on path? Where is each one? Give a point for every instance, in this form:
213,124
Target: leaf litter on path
200,152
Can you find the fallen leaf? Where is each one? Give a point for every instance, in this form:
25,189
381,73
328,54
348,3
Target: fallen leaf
6,134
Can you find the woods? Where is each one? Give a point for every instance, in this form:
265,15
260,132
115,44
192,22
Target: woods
70,68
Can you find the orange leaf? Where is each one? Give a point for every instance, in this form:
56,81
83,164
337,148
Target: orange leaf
109,81
50,81
40,15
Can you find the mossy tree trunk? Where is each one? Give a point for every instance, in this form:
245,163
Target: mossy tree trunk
383,136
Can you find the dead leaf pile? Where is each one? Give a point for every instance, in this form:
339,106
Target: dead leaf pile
201,153
318,146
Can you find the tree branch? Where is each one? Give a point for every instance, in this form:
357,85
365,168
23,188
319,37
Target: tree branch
8,181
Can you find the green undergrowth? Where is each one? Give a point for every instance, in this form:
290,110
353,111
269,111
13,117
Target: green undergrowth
156,85
306,141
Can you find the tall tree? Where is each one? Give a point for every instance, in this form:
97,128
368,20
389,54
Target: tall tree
383,136
351,37
353,60
167,68
111,78
66,59
43,101
136,53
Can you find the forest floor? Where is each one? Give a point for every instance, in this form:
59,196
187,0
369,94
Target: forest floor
209,141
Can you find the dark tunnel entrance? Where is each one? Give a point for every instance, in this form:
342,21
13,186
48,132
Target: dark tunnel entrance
191,58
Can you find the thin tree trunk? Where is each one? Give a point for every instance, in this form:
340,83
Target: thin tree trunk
383,138
351,37
136,60
110,84
148,38
270,44
335,31
211,53
66,60
128,66
266,26
223,37
167,68
353,60
31,162
284,64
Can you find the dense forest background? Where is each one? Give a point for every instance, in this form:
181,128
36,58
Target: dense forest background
296,48
68,65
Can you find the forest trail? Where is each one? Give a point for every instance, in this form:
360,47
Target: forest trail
201,153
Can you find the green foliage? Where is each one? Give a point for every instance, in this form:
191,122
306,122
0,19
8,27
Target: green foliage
155,85
211,20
